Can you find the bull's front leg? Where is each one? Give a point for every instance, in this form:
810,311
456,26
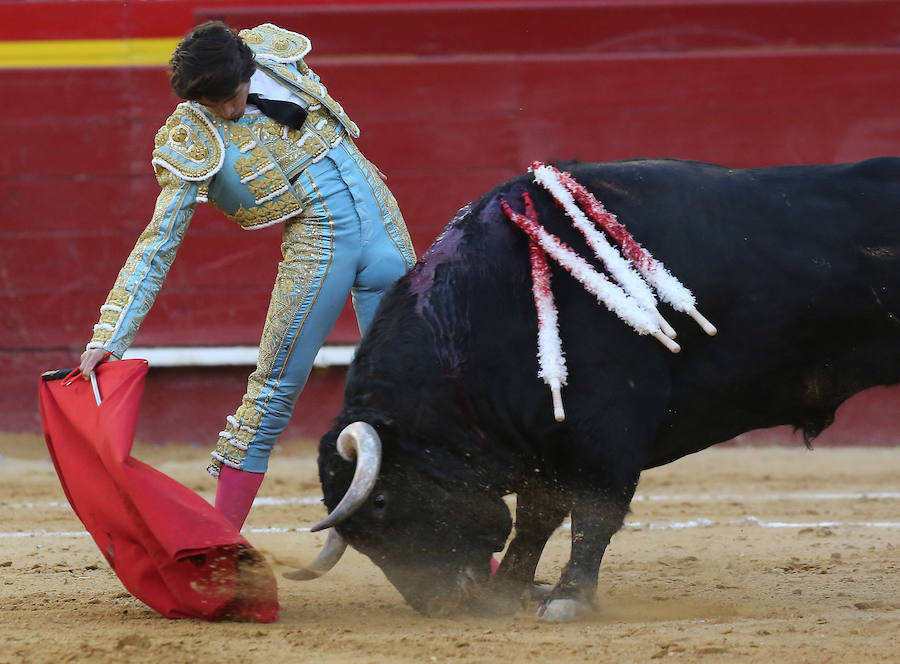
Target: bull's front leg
596,517
539,512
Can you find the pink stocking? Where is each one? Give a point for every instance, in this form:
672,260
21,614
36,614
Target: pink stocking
235,492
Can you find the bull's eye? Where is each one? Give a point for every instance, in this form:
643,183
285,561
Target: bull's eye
379,501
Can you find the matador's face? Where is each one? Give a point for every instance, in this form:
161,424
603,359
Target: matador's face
231,108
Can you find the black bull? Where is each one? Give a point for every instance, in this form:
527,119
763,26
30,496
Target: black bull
798,268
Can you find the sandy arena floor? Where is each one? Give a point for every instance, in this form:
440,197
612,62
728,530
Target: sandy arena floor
731,555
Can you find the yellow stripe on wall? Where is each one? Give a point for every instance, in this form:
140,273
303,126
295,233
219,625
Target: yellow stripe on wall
86,53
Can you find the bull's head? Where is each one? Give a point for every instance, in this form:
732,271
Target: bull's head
433,539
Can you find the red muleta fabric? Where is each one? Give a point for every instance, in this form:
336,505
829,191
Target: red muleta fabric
170,548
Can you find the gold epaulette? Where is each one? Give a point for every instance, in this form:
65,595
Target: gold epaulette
188,145
274,43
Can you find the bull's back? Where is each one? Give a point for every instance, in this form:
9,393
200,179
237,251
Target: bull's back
796,266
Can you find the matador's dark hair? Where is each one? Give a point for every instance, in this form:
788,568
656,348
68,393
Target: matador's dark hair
210,62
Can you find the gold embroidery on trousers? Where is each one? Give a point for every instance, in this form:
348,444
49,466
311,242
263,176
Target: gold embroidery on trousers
302,255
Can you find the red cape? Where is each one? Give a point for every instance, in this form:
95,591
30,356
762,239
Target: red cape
170,548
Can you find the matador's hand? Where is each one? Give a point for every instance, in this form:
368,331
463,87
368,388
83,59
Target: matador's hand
90,359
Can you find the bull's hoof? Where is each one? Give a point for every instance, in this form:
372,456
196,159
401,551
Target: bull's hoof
560,610
540,592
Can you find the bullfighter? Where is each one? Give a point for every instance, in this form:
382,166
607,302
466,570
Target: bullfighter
259,137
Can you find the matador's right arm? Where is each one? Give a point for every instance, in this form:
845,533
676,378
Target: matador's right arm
186,156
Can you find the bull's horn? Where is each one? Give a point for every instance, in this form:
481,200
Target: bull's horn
357,441
331,553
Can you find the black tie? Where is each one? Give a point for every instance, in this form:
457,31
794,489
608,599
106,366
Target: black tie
284,112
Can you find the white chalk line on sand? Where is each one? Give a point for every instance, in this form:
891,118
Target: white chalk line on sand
701,497
634,525
257,502
271,501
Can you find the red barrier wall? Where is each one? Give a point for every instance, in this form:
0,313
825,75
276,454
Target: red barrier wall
452,98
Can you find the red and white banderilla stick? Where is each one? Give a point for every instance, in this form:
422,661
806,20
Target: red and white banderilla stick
606,292
667,286
550,354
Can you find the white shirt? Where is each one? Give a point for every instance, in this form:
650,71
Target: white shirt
268,88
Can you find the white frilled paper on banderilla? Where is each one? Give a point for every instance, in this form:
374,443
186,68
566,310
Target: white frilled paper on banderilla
638,277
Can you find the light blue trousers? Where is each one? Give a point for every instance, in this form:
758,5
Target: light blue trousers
350,239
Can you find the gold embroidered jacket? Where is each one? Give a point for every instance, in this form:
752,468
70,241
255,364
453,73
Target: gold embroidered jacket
241,167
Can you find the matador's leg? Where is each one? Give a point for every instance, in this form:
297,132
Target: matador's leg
324,256
321,250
